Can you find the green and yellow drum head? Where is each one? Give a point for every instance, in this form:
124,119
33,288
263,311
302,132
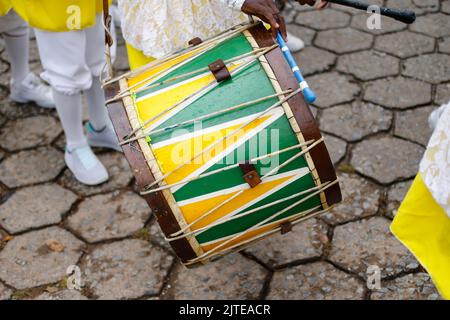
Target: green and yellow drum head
222,144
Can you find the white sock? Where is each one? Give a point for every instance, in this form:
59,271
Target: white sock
98,115
17,47
70,114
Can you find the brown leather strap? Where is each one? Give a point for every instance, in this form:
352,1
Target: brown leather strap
107,20
195,42
251,176
219,70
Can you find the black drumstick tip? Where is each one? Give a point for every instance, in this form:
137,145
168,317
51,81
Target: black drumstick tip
410,17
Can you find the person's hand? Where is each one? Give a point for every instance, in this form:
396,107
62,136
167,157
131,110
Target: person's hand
321,4
268,12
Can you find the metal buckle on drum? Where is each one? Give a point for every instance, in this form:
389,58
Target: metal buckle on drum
219,70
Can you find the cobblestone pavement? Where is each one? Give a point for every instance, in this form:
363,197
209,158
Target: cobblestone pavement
375,88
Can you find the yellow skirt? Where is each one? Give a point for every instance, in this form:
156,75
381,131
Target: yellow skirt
5,6
137,58
424,228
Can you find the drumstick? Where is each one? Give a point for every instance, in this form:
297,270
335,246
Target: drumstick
405,16
309,95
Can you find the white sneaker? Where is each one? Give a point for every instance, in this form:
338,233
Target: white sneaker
105,138
32,89
85,166
295,44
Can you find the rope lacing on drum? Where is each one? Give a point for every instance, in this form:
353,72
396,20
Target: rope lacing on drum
271,172
212,41
242,233
213,145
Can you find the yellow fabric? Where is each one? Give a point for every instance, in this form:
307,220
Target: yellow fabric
60,15
424,228
5,6
137,58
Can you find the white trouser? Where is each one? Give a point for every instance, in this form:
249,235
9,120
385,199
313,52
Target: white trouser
71,59
12,25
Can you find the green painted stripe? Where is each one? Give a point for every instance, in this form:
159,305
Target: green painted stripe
243,223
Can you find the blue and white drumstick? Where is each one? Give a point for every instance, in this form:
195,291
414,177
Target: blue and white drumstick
309,95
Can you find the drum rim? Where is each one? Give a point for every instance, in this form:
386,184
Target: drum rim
144,177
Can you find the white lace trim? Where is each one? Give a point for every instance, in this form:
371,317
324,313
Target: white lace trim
435,165
159,27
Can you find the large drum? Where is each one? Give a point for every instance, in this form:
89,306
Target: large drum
222,144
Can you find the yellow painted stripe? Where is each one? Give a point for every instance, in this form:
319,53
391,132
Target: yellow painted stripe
194,210
169,157
162,100
164,66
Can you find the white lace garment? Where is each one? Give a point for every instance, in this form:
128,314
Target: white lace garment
435,165
159,27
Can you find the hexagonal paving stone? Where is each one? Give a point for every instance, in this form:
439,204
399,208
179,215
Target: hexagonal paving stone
313,60
435,25
395,196
304,33
333,88
404,44
420,7
110,216
360,244
433,68
29,133
232,277
444,45
315,281
353,10
336,148
5,293
4,67
410,287
120,176
29,260
445,6
442,94
387,25
125,270
386,92
354,121
343,40
387,159
305,241
323,20
30,167
368,65
15,110
25,210
413,125
157,236
2,120
361,198
65,294
429,5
